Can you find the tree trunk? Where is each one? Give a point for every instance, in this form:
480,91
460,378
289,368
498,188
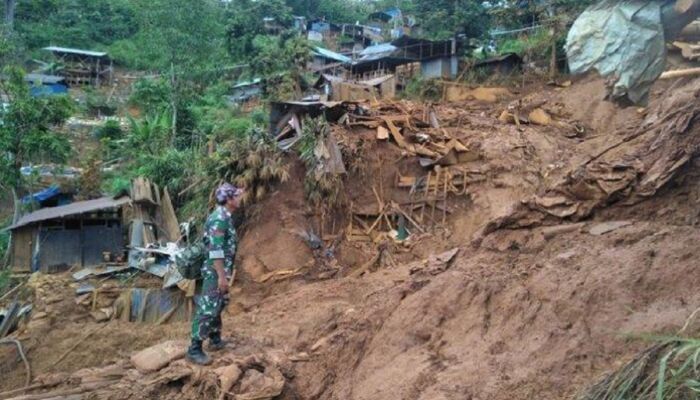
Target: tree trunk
173,102
10,12
15,217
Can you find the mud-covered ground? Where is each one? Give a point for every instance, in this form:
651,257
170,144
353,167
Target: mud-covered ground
539,306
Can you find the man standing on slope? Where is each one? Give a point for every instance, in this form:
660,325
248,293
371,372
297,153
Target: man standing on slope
221,241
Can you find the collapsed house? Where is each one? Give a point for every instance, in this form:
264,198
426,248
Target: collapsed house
82,233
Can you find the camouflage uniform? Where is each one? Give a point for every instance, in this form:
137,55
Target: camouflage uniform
221,240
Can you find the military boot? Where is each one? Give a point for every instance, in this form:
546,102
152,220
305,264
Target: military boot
196,355
216,343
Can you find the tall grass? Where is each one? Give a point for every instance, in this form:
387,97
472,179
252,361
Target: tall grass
668,370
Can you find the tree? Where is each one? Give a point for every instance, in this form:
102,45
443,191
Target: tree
280,62
27,129
245,23
443,19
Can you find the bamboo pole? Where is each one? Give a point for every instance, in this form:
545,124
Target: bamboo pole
680,73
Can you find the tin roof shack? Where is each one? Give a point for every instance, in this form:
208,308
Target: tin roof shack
338,89
438,59
83,67
74,234
246,91
504,64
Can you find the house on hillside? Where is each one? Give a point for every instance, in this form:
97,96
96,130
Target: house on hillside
77,234
83,67
246,91
437,59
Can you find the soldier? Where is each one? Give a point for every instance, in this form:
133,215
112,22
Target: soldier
220,240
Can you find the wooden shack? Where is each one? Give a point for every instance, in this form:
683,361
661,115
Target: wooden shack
83,67
76,234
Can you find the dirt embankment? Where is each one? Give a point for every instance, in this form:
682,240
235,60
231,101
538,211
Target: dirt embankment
533,312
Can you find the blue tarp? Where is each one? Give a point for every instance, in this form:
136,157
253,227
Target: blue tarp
42,196
325,53
48,90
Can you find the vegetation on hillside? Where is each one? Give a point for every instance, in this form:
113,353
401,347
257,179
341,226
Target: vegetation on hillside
180,131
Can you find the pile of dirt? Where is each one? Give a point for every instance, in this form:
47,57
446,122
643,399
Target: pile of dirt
541,308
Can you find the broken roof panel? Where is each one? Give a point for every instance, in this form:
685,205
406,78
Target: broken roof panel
325,53
377,51
80,207
44,79
67,50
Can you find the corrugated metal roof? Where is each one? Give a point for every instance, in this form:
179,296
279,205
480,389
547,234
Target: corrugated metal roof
320,51
75,51
247,83
377,51
76,208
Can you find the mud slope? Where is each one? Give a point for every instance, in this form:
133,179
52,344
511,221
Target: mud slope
542,306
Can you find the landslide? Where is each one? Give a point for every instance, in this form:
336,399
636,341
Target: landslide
538,306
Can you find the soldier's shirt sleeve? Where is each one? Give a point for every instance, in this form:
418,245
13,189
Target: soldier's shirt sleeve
217,239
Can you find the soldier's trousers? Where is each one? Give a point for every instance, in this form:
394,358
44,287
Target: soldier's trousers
210,304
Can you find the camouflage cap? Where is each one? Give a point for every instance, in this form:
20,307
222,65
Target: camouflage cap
227,191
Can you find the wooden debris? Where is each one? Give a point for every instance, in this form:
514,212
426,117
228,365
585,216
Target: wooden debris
158,356
539,117
680,73
280,274
382,133
171,227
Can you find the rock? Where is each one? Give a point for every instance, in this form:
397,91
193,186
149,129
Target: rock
159,356
566,256
606,227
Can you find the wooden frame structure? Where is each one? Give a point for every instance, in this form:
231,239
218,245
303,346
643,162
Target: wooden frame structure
83,67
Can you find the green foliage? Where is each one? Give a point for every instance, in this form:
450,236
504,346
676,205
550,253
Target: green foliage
116,184
537,44
149,135
27,130
111,130
168,168
97,104
442,19
280,62
669,370
182,34
338,11
423,89
152,96
245,23
322,187
252,161
76,23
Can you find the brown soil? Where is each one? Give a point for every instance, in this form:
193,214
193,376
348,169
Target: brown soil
529,310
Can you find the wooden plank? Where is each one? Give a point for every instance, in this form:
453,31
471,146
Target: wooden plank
171,227
680,73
